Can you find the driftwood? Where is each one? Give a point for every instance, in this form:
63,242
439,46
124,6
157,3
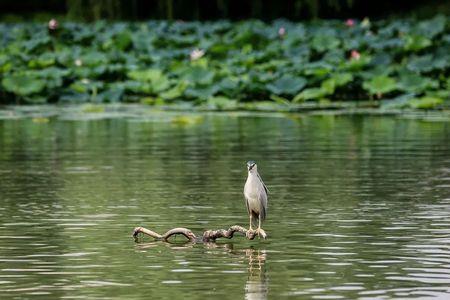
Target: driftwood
207,236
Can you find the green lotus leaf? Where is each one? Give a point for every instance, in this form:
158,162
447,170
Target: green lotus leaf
443,94
23,85
174,92
53,76
337,80
123,40
86,86
287,85
357,64
397,102
431,28
318,69
415,83
198,75
310,94
221,103
148,75
427,63
5,63
380,85
160,84
153,80
111,94
93,59
322,43
416,43
201,93
43,61
425,102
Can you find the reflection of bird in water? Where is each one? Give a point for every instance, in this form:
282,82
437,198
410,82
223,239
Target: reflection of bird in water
255,192
256,286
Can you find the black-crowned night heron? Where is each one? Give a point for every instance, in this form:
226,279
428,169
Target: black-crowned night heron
255,192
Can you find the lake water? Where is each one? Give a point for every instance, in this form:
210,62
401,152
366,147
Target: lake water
359,207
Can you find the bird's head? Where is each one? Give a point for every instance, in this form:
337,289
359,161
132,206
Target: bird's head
251,166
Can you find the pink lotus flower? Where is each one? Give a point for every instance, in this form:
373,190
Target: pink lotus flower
350,23
355,55
53,24
281,32
196,54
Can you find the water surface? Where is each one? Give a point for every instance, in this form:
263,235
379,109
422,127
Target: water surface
359,207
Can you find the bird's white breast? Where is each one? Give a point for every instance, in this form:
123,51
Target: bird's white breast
251,191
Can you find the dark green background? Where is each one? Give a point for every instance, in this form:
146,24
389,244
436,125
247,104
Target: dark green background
219,9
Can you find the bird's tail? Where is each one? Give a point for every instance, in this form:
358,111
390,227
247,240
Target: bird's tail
255,217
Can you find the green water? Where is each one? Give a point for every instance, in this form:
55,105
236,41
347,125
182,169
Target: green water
359,207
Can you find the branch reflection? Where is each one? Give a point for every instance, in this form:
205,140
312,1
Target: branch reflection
257,285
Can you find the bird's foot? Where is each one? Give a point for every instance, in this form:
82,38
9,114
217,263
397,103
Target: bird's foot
261,233
250,234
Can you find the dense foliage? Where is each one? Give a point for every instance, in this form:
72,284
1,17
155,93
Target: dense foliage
405,60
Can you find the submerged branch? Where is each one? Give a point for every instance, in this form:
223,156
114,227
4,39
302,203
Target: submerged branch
208,235
183,231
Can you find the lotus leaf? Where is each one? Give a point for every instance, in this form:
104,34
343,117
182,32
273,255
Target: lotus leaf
322,43
221,103
87,86
425,102
111,95
431,28
43,61
416,42
154,80
201,92
175,92
380,85
427,63
244,61
310,94
337,80
198,75
411,82
287,85
23,85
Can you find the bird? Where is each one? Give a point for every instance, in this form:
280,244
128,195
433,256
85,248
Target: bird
255,193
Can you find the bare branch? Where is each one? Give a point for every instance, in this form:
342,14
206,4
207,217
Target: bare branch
146,231
208,235
184,231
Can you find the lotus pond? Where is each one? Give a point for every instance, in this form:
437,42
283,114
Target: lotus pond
359,207
404,62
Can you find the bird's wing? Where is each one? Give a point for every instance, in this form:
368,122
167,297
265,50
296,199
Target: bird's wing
246,204
263,192
263,201
265,187
246,199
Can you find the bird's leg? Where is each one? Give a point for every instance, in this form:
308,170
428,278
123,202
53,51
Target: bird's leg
250,227
259,224
260,231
